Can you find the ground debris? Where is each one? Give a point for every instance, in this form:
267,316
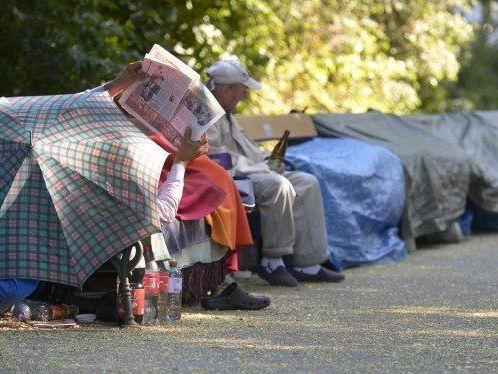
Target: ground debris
7,322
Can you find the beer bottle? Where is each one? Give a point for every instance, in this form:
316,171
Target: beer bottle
278,153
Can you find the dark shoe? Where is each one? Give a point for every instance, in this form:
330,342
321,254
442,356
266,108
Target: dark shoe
278,277
234,297
323,275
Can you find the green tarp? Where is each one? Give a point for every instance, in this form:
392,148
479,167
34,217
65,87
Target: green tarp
477,138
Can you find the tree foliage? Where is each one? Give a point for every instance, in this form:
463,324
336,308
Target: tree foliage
477,85
328,55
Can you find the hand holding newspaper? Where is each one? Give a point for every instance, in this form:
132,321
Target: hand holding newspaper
171,98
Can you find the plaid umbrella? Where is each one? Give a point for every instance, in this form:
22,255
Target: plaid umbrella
78,183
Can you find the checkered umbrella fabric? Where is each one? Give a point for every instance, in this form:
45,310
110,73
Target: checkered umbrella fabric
78,183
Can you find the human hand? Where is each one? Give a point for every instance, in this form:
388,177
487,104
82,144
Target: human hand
281,168
189,150
131,74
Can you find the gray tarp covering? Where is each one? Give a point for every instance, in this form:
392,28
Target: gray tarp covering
478,139
489,115
437,172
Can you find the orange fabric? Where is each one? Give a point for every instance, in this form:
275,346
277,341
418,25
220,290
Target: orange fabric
229,225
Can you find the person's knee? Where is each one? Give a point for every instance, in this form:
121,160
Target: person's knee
313,181
281,184
309,178
276,186
306,180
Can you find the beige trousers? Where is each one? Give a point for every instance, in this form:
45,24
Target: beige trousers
292,218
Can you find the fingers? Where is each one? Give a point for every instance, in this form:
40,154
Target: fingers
154,75
202,150
204,140
188,136
136,66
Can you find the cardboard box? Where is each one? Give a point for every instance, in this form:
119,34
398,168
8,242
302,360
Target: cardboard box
272,127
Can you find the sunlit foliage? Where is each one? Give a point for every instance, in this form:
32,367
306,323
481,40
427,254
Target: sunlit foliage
327,55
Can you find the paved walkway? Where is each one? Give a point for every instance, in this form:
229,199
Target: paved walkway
437,311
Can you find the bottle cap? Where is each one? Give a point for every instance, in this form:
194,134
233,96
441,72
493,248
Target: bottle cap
172,263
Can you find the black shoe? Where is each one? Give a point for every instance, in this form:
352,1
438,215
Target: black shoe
278,277
323,275
234,297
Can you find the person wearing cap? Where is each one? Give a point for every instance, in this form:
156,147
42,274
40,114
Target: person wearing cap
290,203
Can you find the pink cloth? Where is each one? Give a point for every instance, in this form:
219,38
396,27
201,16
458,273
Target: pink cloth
232,262
201,195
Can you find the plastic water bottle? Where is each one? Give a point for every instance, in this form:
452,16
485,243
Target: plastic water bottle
174,296
163,292
151,288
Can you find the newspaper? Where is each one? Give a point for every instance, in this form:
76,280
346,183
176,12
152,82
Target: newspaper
171,98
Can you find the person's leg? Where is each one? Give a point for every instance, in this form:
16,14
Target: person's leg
310,246
275,197
310,249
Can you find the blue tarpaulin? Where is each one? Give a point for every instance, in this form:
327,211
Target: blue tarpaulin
12,290
363,189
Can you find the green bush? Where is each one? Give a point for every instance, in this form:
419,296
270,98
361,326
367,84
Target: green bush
328,55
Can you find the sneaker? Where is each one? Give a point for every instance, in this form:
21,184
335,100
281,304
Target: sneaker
278,277
323,275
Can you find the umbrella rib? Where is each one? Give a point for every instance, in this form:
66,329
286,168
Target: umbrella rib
17,185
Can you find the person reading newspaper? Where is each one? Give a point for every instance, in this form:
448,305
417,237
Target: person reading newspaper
290,203
171,98
170,193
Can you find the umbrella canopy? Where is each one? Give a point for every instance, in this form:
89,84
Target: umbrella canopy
78,183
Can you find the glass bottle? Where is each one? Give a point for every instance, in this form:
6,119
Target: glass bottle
278,154
48,312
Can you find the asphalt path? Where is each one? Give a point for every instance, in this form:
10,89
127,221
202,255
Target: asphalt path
436,311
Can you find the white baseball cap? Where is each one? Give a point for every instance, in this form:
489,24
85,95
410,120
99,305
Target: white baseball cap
231,72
